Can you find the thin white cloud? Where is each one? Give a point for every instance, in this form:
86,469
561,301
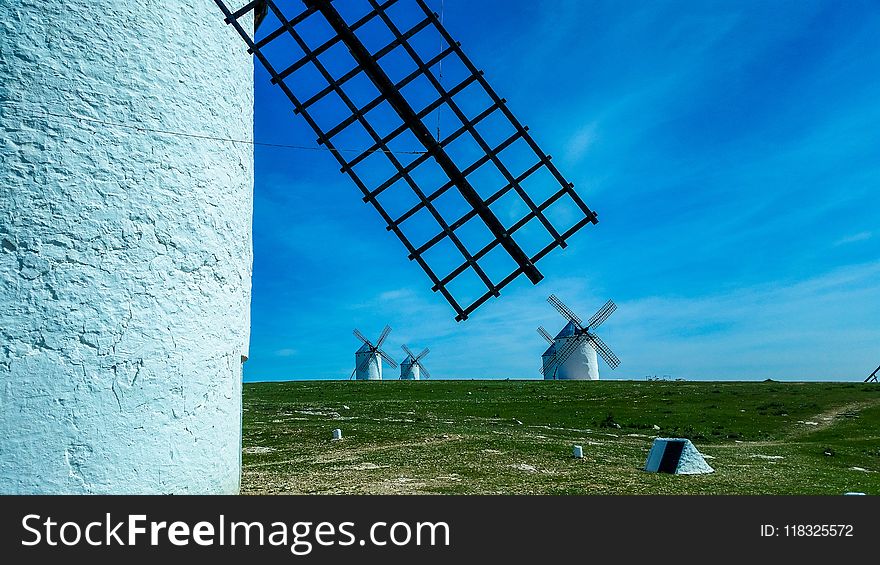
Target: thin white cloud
821,328
861,236
398,294
580,142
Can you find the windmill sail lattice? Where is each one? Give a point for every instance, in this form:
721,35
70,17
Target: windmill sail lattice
456,174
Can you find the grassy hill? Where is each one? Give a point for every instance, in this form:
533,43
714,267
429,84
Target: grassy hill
515,437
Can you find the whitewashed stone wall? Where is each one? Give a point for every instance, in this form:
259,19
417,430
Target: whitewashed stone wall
581,365
368,365
125,256
410,371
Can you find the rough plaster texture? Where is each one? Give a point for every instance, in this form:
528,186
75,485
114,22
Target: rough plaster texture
581,365
368,364
410,371
125,256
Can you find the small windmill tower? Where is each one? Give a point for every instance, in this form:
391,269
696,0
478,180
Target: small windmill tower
411,369
368,359
576,346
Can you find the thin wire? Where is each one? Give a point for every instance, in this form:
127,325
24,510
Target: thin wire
440,65
142,129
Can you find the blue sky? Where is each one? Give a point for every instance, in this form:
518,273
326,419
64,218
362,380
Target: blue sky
731,149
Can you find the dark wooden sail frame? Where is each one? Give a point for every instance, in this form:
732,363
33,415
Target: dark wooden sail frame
458,178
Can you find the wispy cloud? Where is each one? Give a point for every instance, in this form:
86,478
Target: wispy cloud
821,327
581,142
394,295
861,236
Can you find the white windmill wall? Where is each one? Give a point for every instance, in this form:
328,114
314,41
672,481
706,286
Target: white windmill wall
548,364
581,365
410,371
125,256
368,364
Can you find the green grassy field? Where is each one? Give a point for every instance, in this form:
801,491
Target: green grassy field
515,437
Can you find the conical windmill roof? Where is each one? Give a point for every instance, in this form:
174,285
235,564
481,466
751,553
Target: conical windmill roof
364,349
550,351
567,331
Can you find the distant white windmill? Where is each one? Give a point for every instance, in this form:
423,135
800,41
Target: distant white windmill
572,353
368,359
411,369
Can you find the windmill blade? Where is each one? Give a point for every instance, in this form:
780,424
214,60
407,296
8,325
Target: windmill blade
570,346
361,337
408,352
391,362
424,371
353,373
260,12
565,311
604,351
278,52
383,337
545,334
602,315
422,355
